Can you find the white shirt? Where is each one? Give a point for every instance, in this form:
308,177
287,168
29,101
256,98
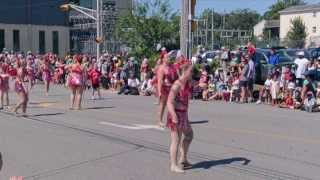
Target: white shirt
267,83
133,82
302,67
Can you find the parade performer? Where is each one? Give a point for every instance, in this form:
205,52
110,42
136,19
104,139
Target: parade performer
76,83
178,122
46,74
21,89
31,75
166,75
4,85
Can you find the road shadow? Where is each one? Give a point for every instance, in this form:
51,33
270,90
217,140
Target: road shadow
47,114
97,108
1,161
210,164
199,122
43,102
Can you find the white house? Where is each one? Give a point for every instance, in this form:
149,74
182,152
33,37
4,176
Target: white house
310,14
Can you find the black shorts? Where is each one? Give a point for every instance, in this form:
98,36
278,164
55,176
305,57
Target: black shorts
251,84
95,86
243,84
299,82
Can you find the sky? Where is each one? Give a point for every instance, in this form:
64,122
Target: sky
228,5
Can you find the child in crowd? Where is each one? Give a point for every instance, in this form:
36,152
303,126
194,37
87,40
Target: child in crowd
265,91
318,94
147,87
287,101
274,89
309,102
94,76
235,88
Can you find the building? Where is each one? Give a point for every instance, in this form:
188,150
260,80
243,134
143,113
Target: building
269,28
36,25
310,14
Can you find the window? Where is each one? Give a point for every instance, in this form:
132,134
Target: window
42,42
16,40
2,40
55,42
314,29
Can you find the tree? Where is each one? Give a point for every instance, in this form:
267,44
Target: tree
273,12
242,19
150,23
297,35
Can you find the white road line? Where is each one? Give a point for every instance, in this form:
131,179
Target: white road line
132,127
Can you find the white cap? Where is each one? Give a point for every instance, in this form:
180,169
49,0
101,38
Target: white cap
291,85
300,53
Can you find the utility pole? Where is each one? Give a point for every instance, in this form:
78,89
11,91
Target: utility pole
212,26
98,11
184,27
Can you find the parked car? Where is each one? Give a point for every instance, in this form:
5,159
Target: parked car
263,68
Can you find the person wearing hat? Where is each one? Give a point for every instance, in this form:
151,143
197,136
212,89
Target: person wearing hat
302,63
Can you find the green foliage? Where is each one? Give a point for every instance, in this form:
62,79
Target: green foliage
150,23
273,12
237,19
297,35
242,19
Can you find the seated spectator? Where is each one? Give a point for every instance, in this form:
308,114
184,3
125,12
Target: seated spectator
203,83
147,86
235,87
287,101
265,92
132,87
318,94
309,102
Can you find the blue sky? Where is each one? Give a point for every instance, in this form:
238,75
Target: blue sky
228,5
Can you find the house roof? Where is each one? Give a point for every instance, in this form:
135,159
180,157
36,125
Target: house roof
301,8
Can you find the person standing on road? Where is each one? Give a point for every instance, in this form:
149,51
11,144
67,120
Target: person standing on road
302,64
251,76
178,122
76,82
21,89
167,75
244,69
225,58
46,73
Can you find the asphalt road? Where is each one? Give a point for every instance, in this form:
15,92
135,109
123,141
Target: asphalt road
115,138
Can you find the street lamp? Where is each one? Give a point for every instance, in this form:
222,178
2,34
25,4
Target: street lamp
89,13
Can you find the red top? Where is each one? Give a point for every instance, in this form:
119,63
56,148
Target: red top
251,50
170,75
94,76
289,101
182,98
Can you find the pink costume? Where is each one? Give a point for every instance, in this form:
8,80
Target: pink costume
170,76
76,77
46,74
30,73
4,82
181,109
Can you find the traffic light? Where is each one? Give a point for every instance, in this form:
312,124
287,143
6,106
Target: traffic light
193,10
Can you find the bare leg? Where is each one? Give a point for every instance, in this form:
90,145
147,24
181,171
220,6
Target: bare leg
79,92
99,93
72,98
25,103
163,104
188,136
20,103
47,84
7,98
1,99
175,141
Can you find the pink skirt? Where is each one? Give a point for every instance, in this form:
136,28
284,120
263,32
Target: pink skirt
183,121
